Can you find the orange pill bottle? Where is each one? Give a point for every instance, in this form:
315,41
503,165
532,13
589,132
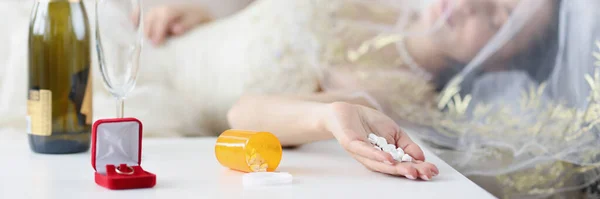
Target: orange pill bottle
248,151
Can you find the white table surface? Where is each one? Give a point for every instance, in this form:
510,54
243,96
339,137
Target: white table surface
187,168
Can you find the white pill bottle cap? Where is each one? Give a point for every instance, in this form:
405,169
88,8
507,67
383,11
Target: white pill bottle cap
258,179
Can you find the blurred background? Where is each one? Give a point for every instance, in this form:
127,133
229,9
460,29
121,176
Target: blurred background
14,22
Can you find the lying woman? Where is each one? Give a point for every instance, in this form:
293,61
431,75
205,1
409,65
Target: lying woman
494,86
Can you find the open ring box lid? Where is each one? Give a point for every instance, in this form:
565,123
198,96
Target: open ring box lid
116,152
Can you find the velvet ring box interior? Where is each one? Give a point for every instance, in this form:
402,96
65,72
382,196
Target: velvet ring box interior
116,154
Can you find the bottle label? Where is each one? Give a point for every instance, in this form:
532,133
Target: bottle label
39,112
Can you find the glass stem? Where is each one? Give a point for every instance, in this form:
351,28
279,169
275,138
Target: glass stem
120,107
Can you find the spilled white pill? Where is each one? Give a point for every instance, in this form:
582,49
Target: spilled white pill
392,147
373,140
407,158
381,142
396,156
388,147
399,149
400,152
393,150
372,136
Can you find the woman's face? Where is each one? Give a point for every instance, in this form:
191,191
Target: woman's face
472,23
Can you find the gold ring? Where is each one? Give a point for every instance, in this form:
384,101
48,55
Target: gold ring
124,173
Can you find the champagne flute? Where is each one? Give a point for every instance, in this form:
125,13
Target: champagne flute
118,44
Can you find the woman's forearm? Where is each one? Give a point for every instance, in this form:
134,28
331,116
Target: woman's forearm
294,120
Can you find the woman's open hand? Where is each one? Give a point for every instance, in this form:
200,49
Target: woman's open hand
171,20
351,124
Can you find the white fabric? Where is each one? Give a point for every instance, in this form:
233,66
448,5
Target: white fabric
154,87
117,143
194,79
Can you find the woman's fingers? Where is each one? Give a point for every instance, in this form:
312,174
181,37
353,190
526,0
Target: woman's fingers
410,170
148,22
426,170
433,168
410,147
158,22
401,169
415,151
365,150
183,25
179,28
161,25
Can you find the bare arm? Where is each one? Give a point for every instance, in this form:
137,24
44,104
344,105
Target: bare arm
295,120
175,19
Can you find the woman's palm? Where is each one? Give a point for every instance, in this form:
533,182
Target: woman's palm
351,125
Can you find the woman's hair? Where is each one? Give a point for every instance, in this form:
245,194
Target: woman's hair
538,60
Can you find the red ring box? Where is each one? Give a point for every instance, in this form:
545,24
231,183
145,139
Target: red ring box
117,143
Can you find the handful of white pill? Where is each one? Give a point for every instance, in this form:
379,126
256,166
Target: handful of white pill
382,145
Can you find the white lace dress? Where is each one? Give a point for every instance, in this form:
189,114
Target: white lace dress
186,87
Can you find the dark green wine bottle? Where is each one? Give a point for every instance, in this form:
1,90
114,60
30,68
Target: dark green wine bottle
59,105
